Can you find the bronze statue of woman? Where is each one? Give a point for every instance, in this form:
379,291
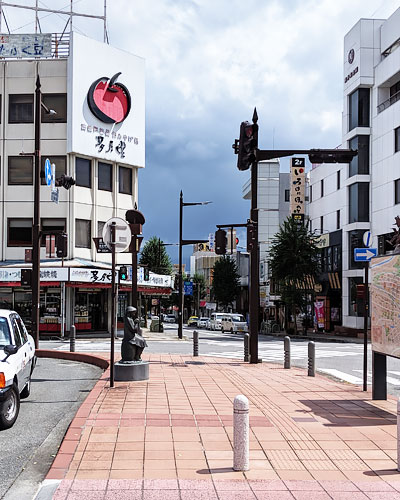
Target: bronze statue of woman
133,343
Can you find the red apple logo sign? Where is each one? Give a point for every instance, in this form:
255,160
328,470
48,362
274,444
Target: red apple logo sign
109,100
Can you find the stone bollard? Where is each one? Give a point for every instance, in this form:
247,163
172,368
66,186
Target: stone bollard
246,341
398,434
241,433
195,343
311,359
286,347
72,336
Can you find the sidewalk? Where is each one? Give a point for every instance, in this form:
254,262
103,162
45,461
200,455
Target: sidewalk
170,437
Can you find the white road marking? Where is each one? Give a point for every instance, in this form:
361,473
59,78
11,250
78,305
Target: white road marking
346,377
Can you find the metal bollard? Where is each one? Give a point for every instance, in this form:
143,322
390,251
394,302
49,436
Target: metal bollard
72,336
195,343
241,433
311,359
246,341
398,434
286,347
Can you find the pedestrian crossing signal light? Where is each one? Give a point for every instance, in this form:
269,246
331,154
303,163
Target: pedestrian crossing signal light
62,245
123,273
220,242
146,274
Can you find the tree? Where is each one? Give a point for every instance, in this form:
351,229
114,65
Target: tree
294,263
155,257
225,286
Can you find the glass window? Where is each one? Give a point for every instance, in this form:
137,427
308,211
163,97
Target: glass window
20,170
105,176
329,259
5,337
20,108
322,188
359,109
59,161
19,232
337,219
384,245
82,233
17,334
57,103
397,139
310,194
83,172
356,305
125,180
287,195
322,223
397,191
338,179
355,241
337,258
360,163
22,330
52,226
359,202
100,225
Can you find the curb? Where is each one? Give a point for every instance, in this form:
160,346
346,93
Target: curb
73,356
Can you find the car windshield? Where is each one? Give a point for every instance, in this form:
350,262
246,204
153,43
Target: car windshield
237,318
5,337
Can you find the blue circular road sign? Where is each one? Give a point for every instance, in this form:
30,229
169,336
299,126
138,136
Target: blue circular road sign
47,171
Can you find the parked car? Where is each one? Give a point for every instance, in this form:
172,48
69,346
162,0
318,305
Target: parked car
17,361
192,321
234,323
202,322
169,318
215,321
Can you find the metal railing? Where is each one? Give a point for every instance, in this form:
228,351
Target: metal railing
392,99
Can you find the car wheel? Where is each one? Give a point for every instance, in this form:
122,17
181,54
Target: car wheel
26,390
232,330
9,409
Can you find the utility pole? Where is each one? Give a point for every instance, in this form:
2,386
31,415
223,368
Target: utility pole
180,271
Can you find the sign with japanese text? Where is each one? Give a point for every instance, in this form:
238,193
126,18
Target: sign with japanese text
12,274
26,46
91,275
106,118
297,186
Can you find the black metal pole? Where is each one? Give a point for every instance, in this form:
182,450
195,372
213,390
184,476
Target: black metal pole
134,272
36,221
159,298
113,298
180,273
379,376
254,271
366,300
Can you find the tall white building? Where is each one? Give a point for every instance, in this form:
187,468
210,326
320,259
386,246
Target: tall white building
364,195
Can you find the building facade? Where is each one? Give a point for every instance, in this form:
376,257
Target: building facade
363,195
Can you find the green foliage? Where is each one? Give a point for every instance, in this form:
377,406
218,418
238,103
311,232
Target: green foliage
155,256
201,282
294,259
225,286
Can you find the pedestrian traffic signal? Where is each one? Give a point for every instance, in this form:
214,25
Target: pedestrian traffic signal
62,245
146,274
26,277
220,242
246,146
123,273
65,181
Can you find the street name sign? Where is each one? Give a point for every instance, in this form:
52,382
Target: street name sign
364,254
55,195
122,234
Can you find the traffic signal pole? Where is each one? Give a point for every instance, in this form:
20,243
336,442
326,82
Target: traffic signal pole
180,277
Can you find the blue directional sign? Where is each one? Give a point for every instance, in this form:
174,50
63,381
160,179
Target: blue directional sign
364,254
47,171
188,287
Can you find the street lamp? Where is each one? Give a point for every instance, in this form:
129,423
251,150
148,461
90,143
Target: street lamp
181,243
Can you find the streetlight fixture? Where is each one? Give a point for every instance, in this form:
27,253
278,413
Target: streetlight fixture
181,243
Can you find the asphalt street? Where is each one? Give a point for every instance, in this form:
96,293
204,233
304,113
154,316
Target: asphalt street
29,447
341,360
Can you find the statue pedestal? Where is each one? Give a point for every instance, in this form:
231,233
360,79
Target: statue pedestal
124,372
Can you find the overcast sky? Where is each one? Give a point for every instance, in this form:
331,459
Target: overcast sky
208,64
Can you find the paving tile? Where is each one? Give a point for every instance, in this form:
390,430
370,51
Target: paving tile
383,495
346,495
265,485
88,495
123,495
337,486
298,485
187,484
311,495
161,495
117,474
274,495
159,484
124,484
374,486
198,495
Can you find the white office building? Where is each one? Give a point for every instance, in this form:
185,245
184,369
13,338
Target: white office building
347,200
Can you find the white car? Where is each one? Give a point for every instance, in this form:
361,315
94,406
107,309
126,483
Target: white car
17,361
169,318
234,323
202,322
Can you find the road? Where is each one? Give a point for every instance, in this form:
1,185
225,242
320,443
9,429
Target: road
343,361
29,447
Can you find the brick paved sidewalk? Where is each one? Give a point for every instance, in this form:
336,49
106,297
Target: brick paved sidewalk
171,437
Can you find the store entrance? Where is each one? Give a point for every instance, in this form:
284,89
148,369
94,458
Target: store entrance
96,310
91,310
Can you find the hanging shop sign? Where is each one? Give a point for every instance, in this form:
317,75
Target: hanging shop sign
46,274
25,46
90,275
297,186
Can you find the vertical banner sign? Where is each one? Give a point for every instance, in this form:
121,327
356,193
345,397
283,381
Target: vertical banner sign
320,314
297,188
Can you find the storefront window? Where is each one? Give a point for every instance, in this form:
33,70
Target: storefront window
23,306
355,241
356,305
6,299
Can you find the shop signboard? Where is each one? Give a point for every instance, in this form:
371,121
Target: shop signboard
297,186
106,115
85,275
320,314
385,292
25,46
188,288
12,274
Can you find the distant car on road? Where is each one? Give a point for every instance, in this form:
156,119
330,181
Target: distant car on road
202,322
17,361
192,321
169,318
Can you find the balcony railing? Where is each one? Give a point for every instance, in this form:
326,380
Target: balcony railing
392,99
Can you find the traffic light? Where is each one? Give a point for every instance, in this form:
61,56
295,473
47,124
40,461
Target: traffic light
62,245
248,143
26,277
65,181
332,156
146,274
220,242
123,273
251,235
